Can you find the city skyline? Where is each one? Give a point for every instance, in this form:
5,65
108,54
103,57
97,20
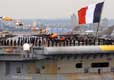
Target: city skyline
49,9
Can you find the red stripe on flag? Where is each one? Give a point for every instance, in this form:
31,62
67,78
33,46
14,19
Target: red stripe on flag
82,15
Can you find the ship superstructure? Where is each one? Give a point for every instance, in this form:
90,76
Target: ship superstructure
76,57
69,56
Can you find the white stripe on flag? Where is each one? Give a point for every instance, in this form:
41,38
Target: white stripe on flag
90,13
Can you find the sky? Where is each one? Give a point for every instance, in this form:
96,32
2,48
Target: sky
49,9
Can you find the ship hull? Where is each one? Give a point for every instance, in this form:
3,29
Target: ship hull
60,67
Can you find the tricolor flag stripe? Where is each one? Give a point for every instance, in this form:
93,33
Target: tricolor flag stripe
98,11
90,14
82,17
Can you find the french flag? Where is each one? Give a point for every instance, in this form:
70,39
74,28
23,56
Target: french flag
90,14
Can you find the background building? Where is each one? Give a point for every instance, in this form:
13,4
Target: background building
74,21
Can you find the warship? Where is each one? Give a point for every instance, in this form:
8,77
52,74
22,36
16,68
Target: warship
71,56
56,57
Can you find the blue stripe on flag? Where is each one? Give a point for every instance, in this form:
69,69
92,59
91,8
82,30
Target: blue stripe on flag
97,12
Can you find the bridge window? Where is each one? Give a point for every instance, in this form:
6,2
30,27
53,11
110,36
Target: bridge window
38,71
18,70
100,65
43,67
79,65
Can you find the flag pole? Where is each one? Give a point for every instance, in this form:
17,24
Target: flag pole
96,38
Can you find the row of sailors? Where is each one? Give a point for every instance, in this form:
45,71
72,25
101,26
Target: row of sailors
44,41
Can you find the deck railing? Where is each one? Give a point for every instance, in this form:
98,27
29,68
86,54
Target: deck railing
56,42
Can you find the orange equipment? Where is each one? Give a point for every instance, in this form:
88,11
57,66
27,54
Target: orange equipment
54,35
6,18
62,38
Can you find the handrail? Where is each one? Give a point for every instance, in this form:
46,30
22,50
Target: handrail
52,43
